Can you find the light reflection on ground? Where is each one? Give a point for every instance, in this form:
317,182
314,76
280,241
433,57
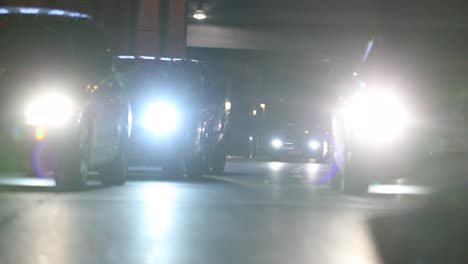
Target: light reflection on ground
275,166
398,189
158,211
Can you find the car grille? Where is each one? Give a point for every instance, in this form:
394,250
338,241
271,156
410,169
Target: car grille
289,145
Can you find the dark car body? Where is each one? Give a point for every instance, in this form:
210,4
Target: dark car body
45,52
202,120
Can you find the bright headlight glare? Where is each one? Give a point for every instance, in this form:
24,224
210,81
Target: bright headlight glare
314,144
277,143
376,116
161,118
49,110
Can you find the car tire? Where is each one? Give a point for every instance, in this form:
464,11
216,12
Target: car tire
72,168
115,172
218,161
335,181
355,187
354,181
195,167
350,180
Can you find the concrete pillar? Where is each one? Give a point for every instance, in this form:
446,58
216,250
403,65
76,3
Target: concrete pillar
148,30
175,43
116,18
162,28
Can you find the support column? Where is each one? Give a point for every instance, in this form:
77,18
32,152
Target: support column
115,18
162,28
175,42
148,30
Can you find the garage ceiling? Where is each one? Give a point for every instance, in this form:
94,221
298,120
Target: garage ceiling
326,29
335,12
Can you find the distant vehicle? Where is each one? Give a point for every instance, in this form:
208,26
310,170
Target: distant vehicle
181,116
62,113
292,141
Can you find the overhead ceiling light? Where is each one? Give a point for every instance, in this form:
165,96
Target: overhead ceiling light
199,14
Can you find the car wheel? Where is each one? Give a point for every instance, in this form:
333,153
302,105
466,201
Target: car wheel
354,181
115,172
336,181
350,180
73,162
355,187
218,161
195,167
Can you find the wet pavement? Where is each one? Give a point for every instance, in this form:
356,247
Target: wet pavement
257,212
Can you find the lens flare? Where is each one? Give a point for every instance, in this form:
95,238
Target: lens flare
49,110
40,133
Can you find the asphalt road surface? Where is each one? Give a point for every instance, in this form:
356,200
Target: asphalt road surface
257,212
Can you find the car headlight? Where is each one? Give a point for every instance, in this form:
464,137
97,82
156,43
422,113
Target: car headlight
314,144
376,116
49,110
277,143
161,118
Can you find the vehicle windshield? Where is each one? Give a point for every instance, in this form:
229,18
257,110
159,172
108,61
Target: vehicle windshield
49,43
146,75
35,42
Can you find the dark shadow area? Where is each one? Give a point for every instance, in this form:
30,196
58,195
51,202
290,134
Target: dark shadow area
285,160
144,176
21,188
46,189
436,232
44,185
236,174
156,176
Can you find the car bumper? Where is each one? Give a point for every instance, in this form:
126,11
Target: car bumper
150,149
291,154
